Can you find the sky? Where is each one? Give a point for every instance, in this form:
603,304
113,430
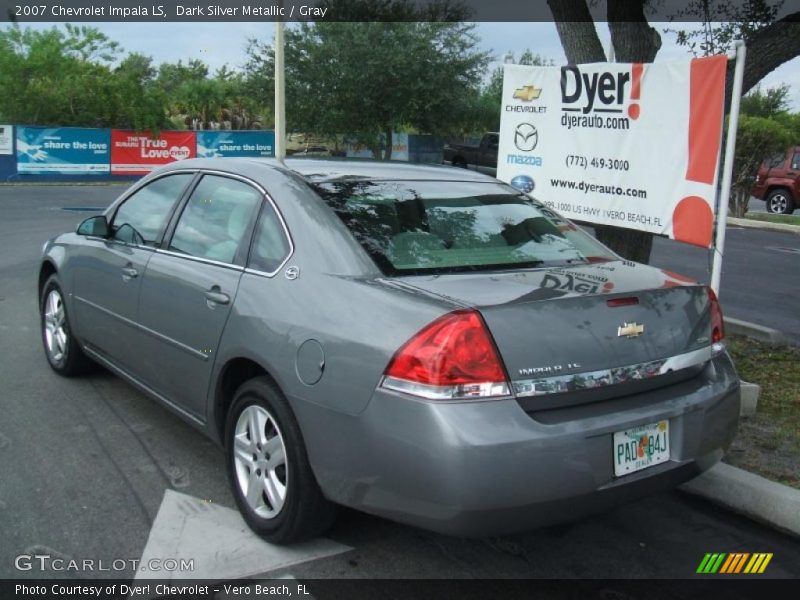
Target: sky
218,44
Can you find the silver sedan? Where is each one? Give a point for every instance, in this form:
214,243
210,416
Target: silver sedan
422,343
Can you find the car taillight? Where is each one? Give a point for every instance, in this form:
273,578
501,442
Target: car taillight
453,357
717,326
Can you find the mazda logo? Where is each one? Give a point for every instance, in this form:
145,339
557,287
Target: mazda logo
526,137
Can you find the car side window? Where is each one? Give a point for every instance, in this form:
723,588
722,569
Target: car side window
776,161
270,244
142,218
796,160
216,219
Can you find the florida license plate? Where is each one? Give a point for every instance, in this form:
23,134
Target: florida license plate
641,447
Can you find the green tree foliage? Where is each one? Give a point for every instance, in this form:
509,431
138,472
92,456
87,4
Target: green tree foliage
371,79
722,22
77,76
757,138
768,103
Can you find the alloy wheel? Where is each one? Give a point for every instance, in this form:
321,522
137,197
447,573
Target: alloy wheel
778,203
259,456
55,331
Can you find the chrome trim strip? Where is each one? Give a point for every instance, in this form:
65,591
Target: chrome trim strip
600,378
140,327
138,383
476,391
200,259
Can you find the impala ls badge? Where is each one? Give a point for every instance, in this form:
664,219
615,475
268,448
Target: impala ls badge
630,330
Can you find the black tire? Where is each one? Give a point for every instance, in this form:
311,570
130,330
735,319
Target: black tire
779,202
68,359
459,162
305,512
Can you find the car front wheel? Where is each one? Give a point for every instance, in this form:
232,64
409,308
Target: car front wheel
60,346
272,481
779,202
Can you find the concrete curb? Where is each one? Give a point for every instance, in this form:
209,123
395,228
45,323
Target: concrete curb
752,330
753,224
751,495
749,399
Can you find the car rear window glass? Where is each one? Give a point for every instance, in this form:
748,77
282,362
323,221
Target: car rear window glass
412,227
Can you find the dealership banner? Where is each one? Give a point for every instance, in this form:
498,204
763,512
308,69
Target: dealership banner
138,153
62,151
632,145
215,144
6,139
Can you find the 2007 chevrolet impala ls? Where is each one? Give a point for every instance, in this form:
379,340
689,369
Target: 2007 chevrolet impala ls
418,342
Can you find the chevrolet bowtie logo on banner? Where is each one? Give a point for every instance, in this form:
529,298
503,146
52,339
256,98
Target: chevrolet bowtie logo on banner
734,563
527,93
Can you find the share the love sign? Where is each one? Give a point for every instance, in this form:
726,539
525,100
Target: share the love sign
631,145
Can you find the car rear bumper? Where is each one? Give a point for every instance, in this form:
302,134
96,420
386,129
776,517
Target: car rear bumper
487,468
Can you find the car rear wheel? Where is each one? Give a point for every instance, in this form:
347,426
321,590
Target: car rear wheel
60,346
272,481
779,202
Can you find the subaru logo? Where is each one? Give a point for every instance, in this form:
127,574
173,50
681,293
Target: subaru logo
523,183
526,137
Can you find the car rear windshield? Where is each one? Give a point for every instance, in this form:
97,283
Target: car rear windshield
416,227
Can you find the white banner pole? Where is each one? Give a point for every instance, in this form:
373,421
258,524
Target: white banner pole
727,170
280,94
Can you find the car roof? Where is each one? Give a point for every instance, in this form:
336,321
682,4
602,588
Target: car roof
319,170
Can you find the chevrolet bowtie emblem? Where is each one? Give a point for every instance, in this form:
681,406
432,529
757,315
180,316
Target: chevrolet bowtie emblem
630,330
527,93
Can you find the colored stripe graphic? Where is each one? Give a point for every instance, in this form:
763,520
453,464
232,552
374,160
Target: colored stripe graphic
733,563
758,563
711,563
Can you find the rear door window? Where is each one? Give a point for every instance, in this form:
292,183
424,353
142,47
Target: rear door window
271,246
216,219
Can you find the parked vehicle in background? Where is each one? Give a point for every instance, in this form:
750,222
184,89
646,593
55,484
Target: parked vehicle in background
418,342
778,182
482,157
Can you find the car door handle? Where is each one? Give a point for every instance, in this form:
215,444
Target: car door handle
217,297
129,273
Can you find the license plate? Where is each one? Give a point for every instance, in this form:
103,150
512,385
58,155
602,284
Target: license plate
641,447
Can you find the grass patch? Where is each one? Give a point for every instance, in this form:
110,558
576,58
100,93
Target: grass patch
785,219
769,442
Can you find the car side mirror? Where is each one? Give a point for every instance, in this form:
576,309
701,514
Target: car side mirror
95,226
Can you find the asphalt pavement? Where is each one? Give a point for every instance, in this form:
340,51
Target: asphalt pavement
92,469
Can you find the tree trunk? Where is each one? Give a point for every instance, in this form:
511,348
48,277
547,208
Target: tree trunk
766,51
740,196
634,41
576,31
387,153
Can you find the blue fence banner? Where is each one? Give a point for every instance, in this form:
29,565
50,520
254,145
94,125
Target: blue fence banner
63,151
6,139
214,144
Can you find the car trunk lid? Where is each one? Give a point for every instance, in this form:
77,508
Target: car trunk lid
588,326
